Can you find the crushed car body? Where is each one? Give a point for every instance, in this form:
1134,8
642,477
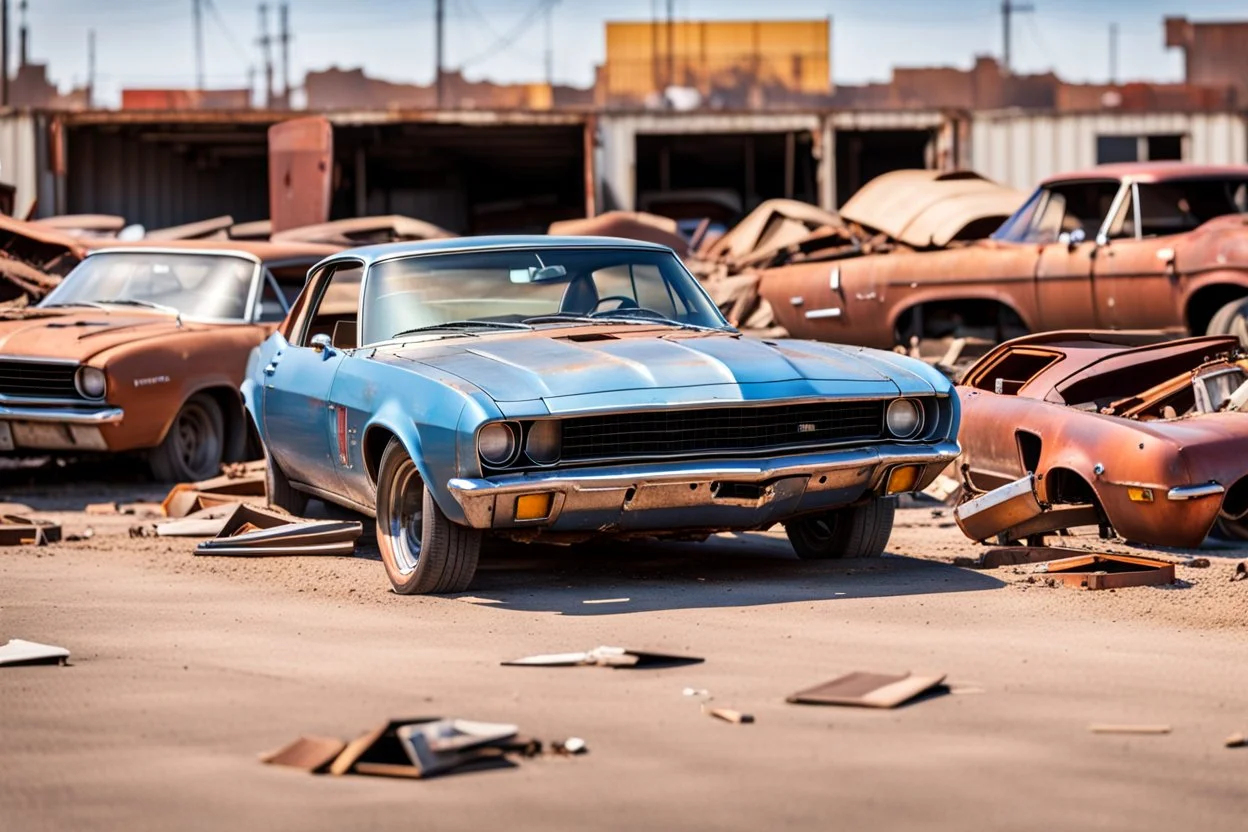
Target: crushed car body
1111,429
1153,245
574,388
142,348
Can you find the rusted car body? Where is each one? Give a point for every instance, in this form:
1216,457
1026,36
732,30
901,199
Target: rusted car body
1105,428
33,258
1124,246
143,347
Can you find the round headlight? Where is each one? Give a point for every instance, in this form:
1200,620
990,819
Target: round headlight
904,418
91,382
498,443
543,444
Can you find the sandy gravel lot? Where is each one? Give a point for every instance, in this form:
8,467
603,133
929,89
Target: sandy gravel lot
185,668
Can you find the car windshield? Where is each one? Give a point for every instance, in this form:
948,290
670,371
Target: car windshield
197,285
513,288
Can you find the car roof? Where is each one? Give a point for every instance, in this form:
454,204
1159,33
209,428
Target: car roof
266,252
1150,172
450,245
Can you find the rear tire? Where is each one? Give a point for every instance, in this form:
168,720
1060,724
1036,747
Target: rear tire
423,551
1231,319
278,491
194,445
860,531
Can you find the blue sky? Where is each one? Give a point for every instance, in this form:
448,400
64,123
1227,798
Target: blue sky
148,43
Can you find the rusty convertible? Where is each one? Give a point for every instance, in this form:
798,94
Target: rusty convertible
1108,429
1124,246
574,388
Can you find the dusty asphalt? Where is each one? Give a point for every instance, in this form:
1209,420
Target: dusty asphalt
185,668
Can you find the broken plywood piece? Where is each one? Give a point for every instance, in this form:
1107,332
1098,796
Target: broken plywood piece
207,522
20,530
729,715
19,652
1129,729
418,748
311,754
618,657
1102,571
254,531
868,690
241,483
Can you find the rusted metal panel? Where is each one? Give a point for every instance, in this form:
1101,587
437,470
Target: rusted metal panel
1099,571
631,225
301,170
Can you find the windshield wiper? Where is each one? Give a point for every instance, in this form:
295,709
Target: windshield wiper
160,307
462,325
88,303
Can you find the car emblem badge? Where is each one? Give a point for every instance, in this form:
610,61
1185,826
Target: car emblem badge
806,427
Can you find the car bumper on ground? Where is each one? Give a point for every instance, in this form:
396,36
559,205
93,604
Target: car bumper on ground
674,496
55,428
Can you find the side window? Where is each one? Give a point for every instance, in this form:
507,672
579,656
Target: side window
333,306
1076,205
1122,227
272,303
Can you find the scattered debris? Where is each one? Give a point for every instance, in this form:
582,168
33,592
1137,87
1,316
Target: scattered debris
207,522
608,601
1129,729
1101,571
1236,741
1016,555
1197,563
702,692
942,488
254,531
728,715
18,652
85,534
101,508
869,690
311,754
606,657
241,483
570,746
20,530
1241,571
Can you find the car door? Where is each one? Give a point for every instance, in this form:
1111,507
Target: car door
1135,281
1070,221
300,423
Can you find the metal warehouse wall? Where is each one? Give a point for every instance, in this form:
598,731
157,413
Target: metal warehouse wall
150,177
19,162
1020,149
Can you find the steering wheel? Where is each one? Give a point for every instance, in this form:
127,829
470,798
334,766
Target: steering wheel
625,303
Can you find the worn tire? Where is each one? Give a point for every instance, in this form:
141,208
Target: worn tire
1231,319
423,551
860,531
195,444
278,491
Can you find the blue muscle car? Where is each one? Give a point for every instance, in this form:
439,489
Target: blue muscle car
568,389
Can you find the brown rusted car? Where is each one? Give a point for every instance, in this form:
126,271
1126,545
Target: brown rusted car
1126,246
1106,429
142,347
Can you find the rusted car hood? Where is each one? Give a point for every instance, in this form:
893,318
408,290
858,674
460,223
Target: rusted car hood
81,335
528,367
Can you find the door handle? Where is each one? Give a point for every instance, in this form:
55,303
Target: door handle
271,368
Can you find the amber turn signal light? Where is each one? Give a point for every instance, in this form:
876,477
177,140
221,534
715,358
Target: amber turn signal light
1140,495
533,506
902,478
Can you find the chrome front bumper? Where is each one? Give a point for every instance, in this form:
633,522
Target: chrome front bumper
64,415
741,494
55,428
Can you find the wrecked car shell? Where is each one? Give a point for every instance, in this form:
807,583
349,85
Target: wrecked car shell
1103,428
1123,246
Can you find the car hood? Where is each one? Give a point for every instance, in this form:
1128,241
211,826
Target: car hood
533,366
79,335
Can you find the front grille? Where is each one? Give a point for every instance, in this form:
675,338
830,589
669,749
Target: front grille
729,430
33,379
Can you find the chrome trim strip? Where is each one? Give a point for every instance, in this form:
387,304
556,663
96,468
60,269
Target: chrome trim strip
1195,492
100,416
816,314
33,359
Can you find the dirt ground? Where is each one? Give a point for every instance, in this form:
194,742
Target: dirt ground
185,668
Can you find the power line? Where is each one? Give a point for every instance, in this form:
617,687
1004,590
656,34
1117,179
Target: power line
1008,9
234,42
509,39
197,14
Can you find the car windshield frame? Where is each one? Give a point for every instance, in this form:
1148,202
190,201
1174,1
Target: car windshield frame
697,295
251,300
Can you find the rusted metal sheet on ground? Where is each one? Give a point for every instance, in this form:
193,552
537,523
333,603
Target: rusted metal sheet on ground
19,530
1142,438
301,170
1101,571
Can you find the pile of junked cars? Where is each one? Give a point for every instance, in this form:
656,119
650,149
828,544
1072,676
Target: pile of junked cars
568,387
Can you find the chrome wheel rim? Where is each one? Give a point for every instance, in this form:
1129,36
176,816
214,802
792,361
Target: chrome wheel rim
405,522
198,446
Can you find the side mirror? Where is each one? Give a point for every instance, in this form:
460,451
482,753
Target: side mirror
322,343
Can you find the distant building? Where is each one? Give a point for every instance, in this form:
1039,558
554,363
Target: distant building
351,89
30,87
1214,54
179,99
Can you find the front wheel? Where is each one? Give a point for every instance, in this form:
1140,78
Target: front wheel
194,446
859,531
1231,319
423,551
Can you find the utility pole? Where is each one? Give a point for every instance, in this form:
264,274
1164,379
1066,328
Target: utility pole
439,19
23,38
1008,9
670,80
266,48
1113,53
197,14
90,69
550,43
284,39
4,53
